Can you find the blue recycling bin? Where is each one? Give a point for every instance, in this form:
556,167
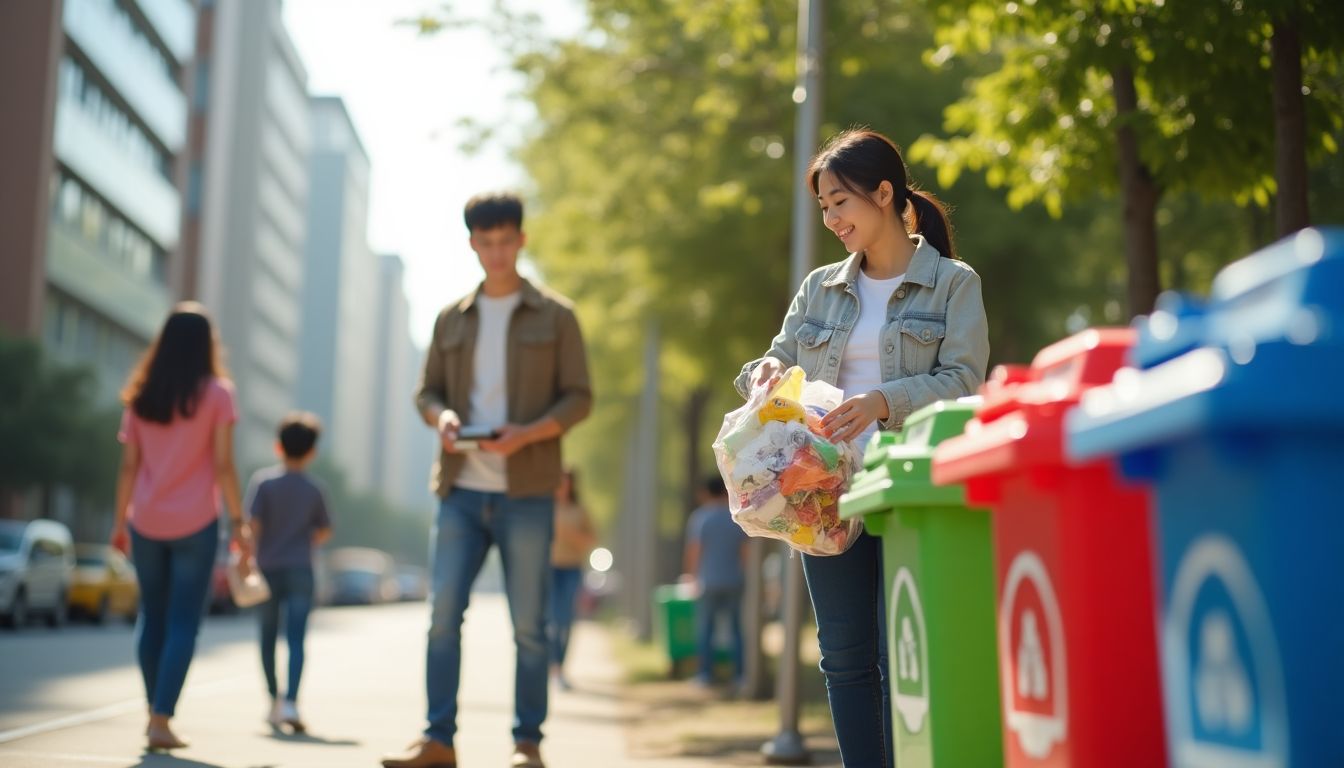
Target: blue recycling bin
1233,414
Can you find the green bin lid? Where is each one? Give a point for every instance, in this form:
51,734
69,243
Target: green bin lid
896,464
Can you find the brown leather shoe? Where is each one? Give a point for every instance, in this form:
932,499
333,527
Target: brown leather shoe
526,755
423,753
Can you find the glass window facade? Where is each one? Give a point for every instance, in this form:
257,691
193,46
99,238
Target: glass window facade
78,86
144,46
76,332
80,210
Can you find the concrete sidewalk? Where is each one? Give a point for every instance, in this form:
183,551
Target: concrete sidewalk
363,695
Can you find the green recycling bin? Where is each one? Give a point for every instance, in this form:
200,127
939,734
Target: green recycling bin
938,559
674,623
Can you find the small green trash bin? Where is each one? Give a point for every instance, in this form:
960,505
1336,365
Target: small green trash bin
939,567
674,623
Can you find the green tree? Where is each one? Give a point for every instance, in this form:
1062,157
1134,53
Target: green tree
51,432
1141,96
1305,38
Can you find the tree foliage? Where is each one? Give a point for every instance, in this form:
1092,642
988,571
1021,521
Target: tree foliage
51,430
1066,79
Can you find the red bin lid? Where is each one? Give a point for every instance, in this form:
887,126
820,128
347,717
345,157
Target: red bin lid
1021,423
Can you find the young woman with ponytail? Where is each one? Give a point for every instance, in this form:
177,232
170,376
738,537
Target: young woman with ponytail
897,325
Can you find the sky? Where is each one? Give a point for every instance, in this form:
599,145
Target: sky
406,95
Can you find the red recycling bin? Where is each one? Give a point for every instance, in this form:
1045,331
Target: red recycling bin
1073,564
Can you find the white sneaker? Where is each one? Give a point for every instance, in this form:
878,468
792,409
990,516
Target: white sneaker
289,712
277,714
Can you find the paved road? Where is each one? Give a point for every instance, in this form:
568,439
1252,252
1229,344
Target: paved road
72,697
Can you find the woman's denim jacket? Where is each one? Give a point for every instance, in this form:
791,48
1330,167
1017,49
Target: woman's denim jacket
934,346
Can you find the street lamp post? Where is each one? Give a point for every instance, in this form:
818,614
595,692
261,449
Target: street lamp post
787,747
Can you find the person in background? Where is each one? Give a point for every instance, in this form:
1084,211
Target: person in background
288,516
177,461
716,554
574,539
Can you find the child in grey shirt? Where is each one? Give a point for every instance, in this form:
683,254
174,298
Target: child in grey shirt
288,515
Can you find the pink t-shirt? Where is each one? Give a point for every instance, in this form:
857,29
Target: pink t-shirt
175,493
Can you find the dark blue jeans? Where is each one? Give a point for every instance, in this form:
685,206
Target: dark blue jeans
292,589
560,611
174,576
712,605
469,522
848,598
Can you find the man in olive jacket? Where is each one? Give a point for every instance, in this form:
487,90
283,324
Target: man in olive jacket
507,360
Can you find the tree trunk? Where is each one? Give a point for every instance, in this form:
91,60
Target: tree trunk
694,415
1290,127
1140,195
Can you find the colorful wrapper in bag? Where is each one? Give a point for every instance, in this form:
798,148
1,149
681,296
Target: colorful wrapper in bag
784,476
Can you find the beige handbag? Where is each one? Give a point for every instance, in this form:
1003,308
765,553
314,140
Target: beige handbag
246,584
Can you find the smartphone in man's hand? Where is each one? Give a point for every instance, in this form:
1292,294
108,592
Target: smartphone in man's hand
469,438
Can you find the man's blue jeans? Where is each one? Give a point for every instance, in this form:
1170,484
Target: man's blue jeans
174,576
291,589
714,604
848,598
469,522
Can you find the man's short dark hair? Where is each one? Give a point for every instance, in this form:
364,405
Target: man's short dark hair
493,209
714,486
298,434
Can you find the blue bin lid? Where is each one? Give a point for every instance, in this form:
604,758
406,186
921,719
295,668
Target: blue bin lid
1262,354
1175,327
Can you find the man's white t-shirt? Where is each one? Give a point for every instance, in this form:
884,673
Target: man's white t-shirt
861,364
484,471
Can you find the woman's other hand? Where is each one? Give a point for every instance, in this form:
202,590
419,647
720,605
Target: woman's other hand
767,372
849,419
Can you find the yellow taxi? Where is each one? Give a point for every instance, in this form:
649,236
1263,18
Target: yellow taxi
104,584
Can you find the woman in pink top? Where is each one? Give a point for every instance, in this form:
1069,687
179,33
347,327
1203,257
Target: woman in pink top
178,457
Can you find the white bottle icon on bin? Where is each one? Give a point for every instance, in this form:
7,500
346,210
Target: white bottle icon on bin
1222,671
1032,680
1035,683
1223,697
907,653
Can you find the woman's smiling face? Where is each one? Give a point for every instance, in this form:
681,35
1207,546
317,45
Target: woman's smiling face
856,219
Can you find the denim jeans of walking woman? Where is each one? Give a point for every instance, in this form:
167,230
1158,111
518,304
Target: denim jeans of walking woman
174,576
848,597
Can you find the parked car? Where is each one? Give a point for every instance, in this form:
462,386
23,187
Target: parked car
360,576
104,584
412,582
36,567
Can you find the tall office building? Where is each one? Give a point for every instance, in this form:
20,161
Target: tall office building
247,205
339,360
398,371
95,126
421,446
111,212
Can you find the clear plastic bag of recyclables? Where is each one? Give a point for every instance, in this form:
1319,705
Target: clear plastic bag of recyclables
784,477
